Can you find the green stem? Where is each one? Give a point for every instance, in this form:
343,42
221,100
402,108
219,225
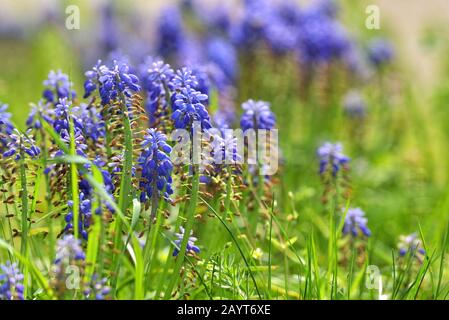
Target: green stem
187,230
24,194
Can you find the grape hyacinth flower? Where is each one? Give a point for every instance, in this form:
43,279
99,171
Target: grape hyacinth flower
6,127
68,249
223,54
11,282
191,247
380,52
170,32
97,289
21,144
249,30
111,82
331,158
156,166
157,82
58,87
321,37
85,214
411,244
356,223
189,108
257,115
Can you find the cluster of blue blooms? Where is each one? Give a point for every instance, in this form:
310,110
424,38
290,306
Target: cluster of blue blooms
111,82
156,166
356,223
68,249
97,289
57,87
411,244
13,142
331,158
11,282
191,247
354,105
6,127
257,115
380,52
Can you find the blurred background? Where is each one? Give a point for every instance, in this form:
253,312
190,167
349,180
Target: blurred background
34,40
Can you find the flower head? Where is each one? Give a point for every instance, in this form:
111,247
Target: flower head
321,37
331,158
58,86
191,247
223,54
410,244
356,223
68,249
111,82
156,166
6,127
380,52
97,289
170,32
189,108
11,282
257,115
21,144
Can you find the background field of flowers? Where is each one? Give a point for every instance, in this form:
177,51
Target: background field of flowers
362,186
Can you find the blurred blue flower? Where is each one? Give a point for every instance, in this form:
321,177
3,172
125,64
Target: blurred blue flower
257,115
411,244
354,105
356,223
222,53
380,52
170,32
331,158
191,247
6,127
112,82
11,282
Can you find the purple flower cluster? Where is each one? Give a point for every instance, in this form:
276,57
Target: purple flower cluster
331,158
380,52
257,115
356,223
157,83
170,33
58,86
11,282
156,166
354,105
21,143
6,127
111,82
410,244
191,247
97,289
